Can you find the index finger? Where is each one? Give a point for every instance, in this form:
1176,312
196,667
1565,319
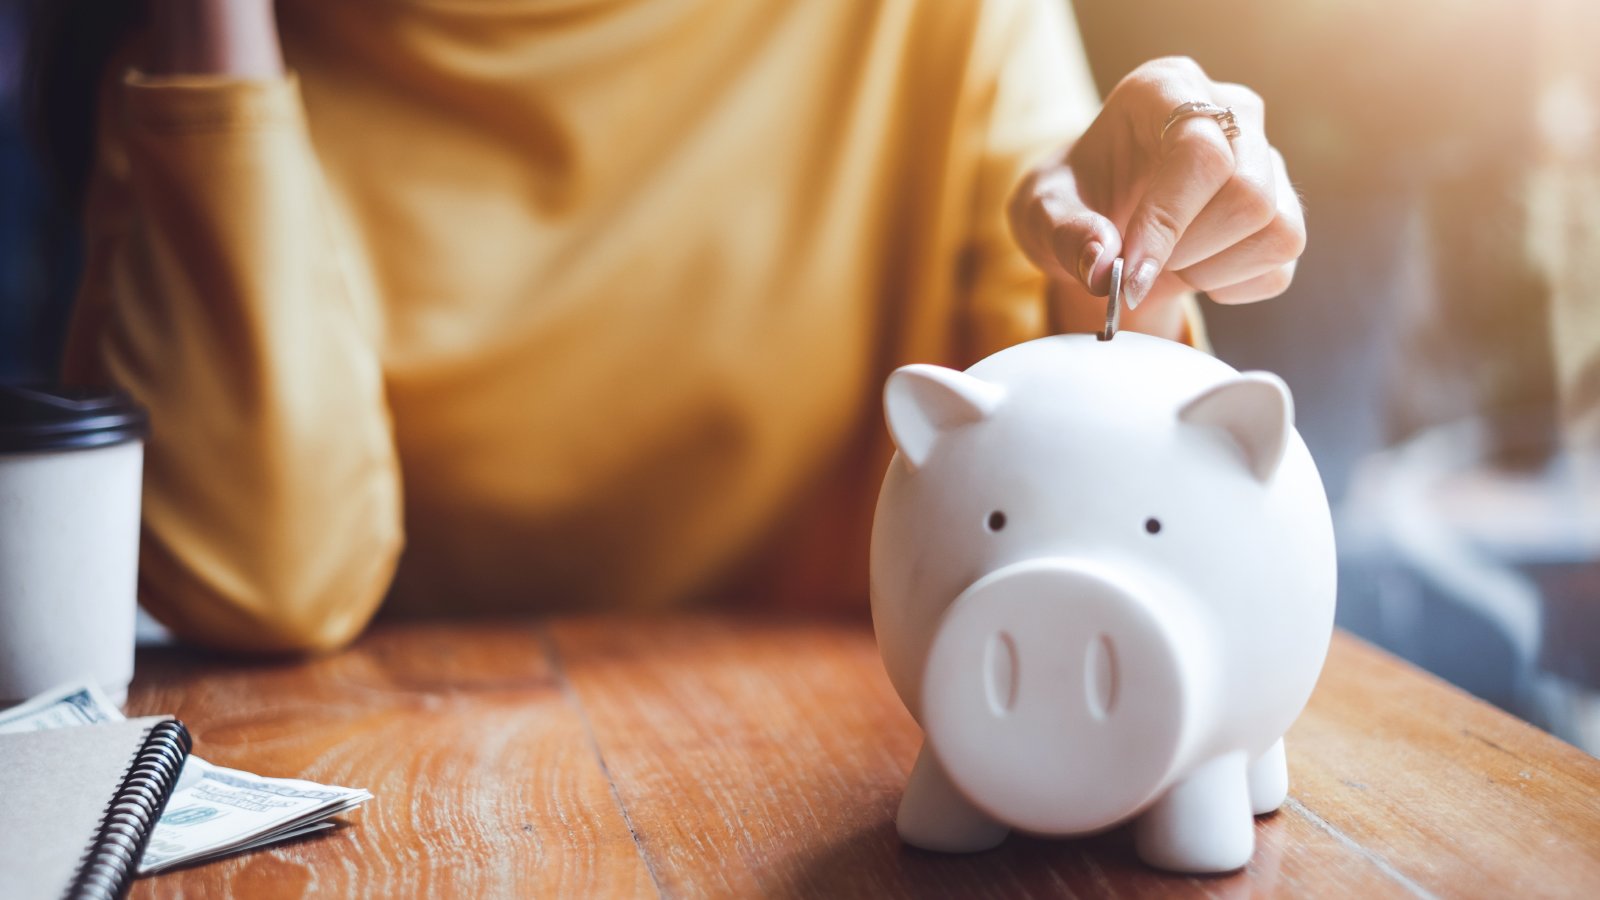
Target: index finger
1196,160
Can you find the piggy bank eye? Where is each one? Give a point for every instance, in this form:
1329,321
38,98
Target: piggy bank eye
997,520
1152,525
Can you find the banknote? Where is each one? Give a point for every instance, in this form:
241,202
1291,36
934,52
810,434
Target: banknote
213,811
79,703
216,811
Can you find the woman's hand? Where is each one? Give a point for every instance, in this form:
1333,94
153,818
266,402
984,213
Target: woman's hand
235,38
1190,210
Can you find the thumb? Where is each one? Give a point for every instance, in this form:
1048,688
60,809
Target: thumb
1060,233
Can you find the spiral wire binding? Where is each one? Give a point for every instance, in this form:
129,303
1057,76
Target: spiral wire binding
112,862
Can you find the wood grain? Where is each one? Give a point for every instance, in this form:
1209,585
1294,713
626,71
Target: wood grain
735,757
779,752
1458,796
485,783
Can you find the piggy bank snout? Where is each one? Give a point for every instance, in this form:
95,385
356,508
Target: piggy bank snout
1057,695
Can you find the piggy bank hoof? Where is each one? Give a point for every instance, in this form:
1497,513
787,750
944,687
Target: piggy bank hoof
1269,781
1203,824
934,816
951,834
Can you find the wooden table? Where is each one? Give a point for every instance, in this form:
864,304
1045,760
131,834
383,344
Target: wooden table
719,757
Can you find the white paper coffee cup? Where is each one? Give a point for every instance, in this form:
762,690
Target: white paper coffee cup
71,464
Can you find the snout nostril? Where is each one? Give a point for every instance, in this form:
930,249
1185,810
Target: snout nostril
1100,676
1000,672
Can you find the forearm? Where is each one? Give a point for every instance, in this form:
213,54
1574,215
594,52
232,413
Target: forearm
231,38
217,293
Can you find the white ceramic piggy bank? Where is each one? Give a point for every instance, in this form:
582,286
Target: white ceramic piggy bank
1103,582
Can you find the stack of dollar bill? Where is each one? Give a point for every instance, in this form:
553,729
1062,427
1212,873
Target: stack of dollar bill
213,811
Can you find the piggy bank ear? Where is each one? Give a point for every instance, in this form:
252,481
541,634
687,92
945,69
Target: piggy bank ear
923,402
1256,410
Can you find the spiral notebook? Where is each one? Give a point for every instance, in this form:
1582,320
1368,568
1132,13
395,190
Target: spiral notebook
79,804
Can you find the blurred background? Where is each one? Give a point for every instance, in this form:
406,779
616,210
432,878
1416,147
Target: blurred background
1442,336
39,243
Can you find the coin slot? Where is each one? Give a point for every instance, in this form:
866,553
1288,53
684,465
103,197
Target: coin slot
1100,677
1000,671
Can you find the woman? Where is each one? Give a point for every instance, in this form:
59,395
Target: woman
588,304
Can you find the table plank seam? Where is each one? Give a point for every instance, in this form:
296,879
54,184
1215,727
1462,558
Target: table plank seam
1481,739
570,695
1382,864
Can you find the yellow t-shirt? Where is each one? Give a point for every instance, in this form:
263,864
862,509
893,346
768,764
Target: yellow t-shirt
590,301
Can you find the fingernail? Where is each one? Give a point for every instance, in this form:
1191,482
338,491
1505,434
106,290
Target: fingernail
1140,282
1088,260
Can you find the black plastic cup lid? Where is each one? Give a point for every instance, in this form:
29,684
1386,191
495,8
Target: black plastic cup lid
35,418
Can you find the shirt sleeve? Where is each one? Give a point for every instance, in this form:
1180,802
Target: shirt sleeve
1043,98
220,291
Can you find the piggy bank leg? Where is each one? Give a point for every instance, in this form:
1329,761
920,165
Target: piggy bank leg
1269,781
1203,823
934,815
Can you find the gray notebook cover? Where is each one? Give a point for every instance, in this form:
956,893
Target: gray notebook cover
54,787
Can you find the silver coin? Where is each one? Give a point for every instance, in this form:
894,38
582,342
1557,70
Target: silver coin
1114,302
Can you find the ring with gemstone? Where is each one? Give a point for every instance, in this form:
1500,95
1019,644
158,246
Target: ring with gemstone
1222,115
